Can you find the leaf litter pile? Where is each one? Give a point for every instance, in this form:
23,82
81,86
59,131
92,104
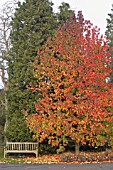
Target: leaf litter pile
70,158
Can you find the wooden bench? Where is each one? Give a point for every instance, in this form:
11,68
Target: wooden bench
21,147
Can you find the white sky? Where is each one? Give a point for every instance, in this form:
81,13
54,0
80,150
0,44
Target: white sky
94,10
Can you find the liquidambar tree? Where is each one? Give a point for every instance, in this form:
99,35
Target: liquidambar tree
71,80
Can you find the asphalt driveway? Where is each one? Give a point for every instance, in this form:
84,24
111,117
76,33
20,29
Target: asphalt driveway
103,166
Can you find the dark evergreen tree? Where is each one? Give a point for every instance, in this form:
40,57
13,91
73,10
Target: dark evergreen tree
64,13
109,34
32,24
2,115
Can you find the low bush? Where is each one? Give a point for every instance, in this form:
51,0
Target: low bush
67,157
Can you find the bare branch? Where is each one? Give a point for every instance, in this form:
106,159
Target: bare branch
2,103
6,14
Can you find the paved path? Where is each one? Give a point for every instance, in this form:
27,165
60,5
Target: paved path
103,166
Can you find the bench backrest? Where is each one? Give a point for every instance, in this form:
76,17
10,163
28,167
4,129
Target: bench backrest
21,145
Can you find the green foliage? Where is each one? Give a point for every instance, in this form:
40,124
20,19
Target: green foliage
64,13
2,114
18,131
109,34
45,148
32,24
1,151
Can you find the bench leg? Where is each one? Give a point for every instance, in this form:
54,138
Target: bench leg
4,154
36,152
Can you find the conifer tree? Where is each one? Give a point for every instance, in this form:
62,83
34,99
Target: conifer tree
64,13
33,22
109,34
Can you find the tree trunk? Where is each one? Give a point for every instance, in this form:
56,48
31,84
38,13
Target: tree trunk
6,111
77,146
38,148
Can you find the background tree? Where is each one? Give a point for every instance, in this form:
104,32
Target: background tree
33,22
64,13
71,82
109,34
2,115
6,14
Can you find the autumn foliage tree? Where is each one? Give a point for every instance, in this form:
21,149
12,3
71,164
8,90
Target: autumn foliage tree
74,95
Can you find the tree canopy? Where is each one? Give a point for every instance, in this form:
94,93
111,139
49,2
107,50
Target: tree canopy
109,34
74,99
